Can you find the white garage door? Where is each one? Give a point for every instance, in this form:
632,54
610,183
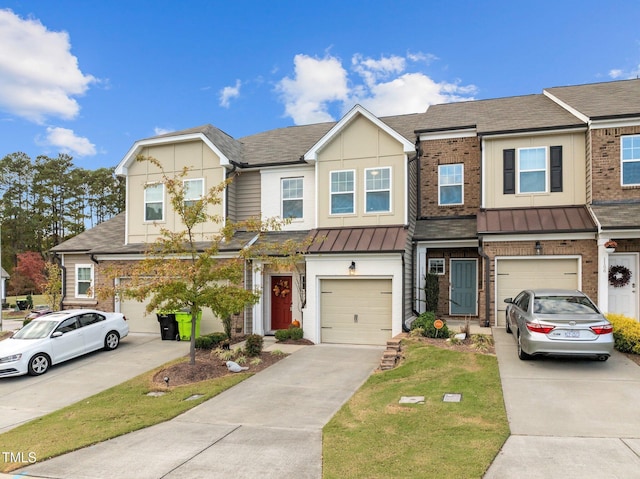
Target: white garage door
140,322
514,275
355,311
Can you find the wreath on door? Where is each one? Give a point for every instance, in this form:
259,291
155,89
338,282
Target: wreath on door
619,276
282,289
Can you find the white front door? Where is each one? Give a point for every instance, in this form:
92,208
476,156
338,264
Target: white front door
623,298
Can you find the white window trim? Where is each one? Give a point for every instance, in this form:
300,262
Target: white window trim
377,191
546,171
441,261
353,193
91,281
282,198
144,203
184,182
456,184
623,161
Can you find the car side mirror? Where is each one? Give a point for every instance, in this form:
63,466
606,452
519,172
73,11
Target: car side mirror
508,300
56,334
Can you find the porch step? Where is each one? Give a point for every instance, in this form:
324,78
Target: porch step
393,353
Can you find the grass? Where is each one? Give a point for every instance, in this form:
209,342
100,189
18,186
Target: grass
111,413
373,436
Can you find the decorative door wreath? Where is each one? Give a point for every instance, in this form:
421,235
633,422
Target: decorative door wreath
619,276
282,289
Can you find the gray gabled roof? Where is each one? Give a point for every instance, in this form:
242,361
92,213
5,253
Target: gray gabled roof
228,145
502,115
601,100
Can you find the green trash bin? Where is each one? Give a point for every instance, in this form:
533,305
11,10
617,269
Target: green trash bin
184,325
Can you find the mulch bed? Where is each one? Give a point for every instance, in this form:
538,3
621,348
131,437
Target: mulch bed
209,366
465,346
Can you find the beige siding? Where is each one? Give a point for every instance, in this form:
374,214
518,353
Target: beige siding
201,163
70,262
247,195
573,171
358,146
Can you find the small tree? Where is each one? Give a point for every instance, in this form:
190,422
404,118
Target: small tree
182,269
52,285
431,291
28,275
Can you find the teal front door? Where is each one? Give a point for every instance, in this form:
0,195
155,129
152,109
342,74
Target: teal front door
464,287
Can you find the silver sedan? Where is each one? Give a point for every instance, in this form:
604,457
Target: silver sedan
558,322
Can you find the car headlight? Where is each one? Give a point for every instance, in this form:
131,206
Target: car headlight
10,359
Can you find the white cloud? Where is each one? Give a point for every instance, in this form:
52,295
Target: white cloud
69,142
161,131
38,73
384,86
619,74
229,92
316,83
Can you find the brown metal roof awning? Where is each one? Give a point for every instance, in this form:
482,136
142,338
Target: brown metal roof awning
565,219
381,239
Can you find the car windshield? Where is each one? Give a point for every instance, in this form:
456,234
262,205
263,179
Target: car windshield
563,305
36,330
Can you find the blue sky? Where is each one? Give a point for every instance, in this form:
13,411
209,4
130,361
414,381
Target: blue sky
90,78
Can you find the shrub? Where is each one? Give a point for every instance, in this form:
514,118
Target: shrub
253,345
210,341
431,291
626,333
278,353
204,342
425,321
282,334
482,342
296,333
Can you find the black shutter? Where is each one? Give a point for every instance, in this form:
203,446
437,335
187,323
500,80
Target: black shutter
509,171
556,168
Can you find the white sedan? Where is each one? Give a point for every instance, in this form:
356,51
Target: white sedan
57,337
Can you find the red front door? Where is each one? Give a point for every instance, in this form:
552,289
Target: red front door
281,292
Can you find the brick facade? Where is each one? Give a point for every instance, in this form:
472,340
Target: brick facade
445,152
605,145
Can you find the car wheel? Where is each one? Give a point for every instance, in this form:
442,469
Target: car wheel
521,354
39,364
111,340
507,325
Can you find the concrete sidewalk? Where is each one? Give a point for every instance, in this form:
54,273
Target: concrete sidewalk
269,426
569,418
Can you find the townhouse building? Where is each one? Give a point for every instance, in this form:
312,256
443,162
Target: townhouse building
492,196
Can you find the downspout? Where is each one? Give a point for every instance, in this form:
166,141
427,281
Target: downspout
416,158
487,278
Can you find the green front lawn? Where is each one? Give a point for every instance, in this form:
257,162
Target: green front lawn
373,436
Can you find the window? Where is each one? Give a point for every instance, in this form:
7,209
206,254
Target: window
342,192
84,279
532,170
630,160
436,266
193,191
292,194
377,190
450,184
154,202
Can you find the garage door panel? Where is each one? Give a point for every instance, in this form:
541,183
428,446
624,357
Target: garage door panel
514,275
356,311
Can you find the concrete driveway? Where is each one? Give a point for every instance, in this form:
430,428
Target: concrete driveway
269,426
569,418
24,398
